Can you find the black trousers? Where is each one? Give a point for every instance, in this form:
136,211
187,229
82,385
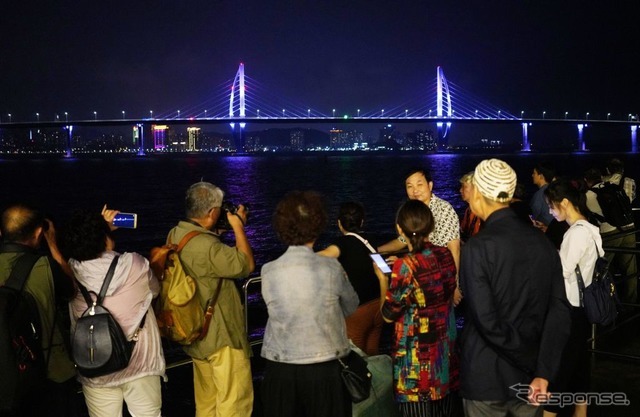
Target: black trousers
314,390
574,375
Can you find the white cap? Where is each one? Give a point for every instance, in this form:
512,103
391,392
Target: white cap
495,179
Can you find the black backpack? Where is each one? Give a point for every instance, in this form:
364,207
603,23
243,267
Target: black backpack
22,363
615,205
599,299
99,346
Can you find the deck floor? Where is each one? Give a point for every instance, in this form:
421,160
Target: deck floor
613,369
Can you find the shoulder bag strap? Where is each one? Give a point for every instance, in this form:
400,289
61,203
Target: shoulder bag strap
18,279
208,313
107,280
596,245
85,294
140,327
187,238
21,271
363,240
103,289
580,284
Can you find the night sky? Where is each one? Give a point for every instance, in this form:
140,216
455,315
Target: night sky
85,56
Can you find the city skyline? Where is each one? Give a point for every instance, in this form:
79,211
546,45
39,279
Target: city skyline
141,58
160,137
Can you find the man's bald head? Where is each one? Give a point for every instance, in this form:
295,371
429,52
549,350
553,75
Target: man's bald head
19,223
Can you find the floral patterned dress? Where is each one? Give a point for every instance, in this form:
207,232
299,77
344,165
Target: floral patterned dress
419,300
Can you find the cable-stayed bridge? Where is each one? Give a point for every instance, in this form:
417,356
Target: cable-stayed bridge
245,100
246,97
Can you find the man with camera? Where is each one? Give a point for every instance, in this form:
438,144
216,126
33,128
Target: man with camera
221,366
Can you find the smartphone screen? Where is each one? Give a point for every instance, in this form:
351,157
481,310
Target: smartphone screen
126,220
380,262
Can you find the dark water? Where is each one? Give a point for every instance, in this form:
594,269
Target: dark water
154,186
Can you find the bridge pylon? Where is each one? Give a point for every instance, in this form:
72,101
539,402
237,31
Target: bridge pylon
443,103
238,84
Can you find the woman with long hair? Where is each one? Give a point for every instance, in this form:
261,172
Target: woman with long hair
419,300
581,246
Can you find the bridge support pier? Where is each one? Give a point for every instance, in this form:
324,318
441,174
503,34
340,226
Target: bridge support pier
634,138
69,130
581,144
140,128
526,146
442,141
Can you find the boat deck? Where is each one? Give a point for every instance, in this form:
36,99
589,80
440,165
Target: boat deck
615,367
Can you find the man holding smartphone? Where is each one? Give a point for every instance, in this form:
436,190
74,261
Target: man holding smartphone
221,367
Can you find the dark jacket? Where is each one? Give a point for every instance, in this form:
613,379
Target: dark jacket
517,316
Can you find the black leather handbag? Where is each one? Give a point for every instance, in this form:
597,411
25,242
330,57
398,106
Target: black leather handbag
356,376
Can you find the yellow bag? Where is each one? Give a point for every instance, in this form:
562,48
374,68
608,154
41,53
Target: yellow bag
180,316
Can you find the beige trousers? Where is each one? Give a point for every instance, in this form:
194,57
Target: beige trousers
143,397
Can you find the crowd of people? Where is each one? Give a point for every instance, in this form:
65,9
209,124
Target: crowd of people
508,267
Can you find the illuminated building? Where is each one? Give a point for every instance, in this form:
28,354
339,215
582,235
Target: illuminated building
335,137
387,133
297,139
136,136
160,133
193,136
344,139
422,140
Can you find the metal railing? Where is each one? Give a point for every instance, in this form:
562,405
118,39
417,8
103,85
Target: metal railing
245,291
598,332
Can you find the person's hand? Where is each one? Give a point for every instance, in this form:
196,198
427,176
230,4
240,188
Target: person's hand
538,393
108,215
49,232
381,275
539,225
457,296
239,219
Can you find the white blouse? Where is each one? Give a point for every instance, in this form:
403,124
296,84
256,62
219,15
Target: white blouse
579,248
